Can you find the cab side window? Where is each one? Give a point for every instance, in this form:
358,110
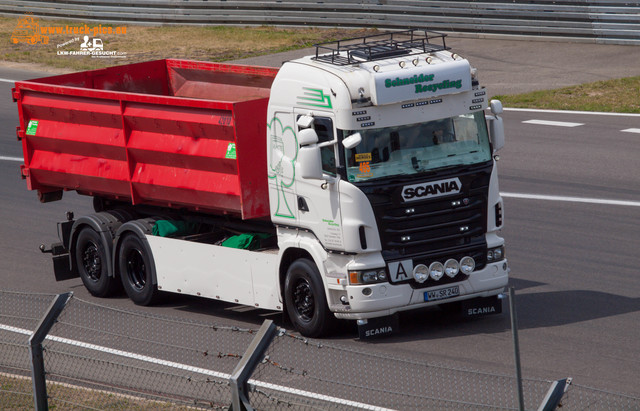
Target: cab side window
324,130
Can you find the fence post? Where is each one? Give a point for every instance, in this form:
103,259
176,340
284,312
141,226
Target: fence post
516,345
250,360
35,349
554,395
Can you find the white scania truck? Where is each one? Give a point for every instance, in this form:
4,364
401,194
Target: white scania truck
355,183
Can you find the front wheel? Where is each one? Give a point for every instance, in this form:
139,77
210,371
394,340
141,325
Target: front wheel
137,271
305,299
91,260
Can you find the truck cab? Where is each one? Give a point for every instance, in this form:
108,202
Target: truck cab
381,167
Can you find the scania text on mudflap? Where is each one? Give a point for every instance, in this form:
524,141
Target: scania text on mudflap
354,184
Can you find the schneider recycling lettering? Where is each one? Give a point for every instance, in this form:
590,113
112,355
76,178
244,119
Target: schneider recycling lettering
417,81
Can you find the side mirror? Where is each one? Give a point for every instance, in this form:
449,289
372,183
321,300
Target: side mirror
496,132
352,141
496,107
307,136
496,126
304,121
309,162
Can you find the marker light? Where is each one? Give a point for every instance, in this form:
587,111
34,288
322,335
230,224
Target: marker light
436,270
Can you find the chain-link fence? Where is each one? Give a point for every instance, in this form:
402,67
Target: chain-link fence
373,381
579,397
19,316
96,357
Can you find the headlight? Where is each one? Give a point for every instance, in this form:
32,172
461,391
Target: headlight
421,273
368,276
436,270
495,254
467,265
451,268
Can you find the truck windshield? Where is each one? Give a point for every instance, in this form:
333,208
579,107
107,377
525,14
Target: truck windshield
420,147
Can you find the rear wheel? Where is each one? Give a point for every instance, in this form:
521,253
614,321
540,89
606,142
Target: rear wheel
137,271
91,260
306,300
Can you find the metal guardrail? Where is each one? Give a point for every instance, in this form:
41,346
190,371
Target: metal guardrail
601,21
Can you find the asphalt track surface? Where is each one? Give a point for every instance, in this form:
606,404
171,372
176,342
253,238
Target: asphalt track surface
571,183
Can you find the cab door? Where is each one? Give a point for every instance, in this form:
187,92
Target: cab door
318,202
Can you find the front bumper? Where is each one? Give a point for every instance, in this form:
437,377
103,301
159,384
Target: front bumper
387,299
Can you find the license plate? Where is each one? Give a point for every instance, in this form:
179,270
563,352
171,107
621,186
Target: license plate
442,293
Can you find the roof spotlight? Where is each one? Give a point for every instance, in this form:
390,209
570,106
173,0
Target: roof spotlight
402,64
415,62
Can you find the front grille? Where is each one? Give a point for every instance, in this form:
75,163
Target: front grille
435,229
434,225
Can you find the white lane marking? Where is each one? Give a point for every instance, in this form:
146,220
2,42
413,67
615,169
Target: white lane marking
572,199
597,113
198,370
631,130
19,159
6,80
553,123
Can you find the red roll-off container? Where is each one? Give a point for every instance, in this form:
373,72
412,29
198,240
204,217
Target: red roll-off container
170,133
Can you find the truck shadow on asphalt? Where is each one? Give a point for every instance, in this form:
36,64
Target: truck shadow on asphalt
534,310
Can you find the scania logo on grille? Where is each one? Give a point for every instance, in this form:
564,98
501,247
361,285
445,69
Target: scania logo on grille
432,189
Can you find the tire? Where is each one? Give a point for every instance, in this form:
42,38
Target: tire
91,259
306,301
137,271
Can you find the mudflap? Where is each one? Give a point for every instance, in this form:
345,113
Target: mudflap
378,327
62,268
61,263
481,306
